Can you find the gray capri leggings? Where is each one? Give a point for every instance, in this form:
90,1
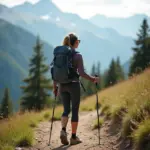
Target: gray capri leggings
70,94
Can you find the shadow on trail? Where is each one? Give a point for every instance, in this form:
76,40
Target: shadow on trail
62,147
94,146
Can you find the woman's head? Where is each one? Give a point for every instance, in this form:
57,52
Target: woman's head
71,40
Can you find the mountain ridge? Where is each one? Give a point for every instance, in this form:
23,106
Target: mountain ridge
60,24
125,26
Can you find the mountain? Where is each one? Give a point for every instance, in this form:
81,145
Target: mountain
47,5
126,26
126,68
35,24
68,21
53,24
16,47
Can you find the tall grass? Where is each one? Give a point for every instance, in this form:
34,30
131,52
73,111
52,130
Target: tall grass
129,102
141,136
18,130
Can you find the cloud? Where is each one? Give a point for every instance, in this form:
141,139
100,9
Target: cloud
98,2
146,1
15,2
88,8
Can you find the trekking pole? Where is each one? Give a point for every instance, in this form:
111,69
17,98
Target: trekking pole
97,107
82,86
52,120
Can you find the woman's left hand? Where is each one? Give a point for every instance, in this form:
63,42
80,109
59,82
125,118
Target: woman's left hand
55,91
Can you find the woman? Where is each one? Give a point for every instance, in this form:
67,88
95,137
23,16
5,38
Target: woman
70,93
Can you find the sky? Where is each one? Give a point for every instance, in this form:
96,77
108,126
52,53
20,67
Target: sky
88,8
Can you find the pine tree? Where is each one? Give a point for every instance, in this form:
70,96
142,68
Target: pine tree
98,72
93,70
6,105
111,78
104,77
147,52
140,59
88,84
120,72
37,84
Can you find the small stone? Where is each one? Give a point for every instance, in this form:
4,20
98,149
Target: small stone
114,148
18,148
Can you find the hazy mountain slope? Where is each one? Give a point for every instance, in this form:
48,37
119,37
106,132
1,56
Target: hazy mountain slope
16,47
11,76
126,26
54,25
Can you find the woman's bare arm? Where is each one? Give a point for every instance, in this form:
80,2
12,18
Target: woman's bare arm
80,67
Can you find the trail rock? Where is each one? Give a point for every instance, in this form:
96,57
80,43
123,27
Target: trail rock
18,148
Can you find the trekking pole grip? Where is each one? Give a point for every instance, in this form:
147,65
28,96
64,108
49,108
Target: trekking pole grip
96,83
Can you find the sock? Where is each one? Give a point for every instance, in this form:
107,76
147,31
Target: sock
73,135
64,129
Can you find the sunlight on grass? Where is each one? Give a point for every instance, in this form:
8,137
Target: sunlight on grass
142,136
128,101
58,113
47,115
117,113
6,147
88,104
17,131
95,123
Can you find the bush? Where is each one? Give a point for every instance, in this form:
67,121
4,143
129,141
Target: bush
95,123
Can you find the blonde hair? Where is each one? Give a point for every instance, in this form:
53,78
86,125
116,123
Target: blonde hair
66,41
70,39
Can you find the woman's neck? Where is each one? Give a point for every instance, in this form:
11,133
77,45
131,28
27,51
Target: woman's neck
73,48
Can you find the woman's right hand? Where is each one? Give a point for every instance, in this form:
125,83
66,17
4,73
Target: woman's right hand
55,90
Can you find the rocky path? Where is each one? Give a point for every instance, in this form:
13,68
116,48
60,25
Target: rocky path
109,140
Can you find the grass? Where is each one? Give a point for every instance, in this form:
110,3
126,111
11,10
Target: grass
128,102
104,109
95,123
117,112
6,147
88,104
18,130
58,113
47,115
131,101
141,136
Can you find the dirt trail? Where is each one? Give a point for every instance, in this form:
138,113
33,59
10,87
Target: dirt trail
85,132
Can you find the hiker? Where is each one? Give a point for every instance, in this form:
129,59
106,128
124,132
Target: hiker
70,92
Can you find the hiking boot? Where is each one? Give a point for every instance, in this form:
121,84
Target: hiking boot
74,141
63,137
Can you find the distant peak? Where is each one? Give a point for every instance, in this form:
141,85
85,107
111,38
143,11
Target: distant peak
27,3
98,16
43,1
3,6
